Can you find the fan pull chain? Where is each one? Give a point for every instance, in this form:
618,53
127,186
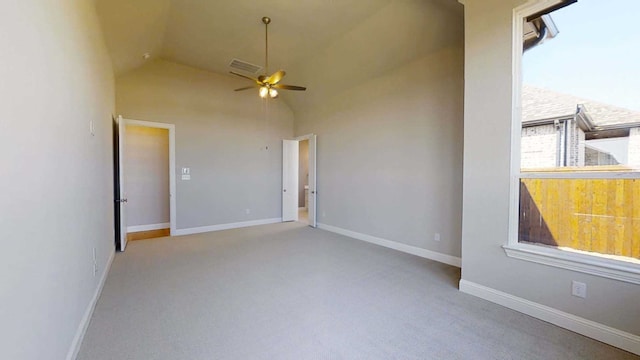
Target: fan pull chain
265,106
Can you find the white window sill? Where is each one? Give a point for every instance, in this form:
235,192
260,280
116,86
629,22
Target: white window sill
576,261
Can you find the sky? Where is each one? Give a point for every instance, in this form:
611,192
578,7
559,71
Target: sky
596,54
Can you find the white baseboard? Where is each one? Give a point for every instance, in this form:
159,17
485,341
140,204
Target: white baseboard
592,329
149,227
226,226
410,249
84,323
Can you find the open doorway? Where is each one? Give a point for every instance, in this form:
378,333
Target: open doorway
146,154
303,181
299,179
146,181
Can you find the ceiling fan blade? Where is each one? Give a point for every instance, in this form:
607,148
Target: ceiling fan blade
246,88
275,77
247,77
289,87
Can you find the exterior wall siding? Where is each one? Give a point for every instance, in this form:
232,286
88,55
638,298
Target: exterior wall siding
594,157
539,146
576,144
580,147
634,147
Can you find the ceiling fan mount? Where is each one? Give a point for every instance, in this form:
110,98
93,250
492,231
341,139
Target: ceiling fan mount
268,84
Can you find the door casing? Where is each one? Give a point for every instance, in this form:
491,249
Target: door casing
122,122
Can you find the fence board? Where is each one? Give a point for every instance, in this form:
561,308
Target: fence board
597,215
635,251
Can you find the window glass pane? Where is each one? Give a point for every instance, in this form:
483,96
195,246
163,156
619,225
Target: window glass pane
580,116
581,92
590,215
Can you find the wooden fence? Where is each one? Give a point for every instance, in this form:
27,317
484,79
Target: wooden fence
597,215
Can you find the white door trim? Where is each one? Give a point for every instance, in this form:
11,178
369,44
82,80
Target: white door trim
172,164
303,137
122,185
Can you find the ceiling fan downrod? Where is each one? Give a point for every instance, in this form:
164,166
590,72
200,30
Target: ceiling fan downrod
268,84
266,21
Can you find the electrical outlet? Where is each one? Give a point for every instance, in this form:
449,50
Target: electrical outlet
248,211
579,289
436,237
324,214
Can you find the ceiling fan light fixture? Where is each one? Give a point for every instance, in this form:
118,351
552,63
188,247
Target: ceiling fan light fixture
264,91
268,83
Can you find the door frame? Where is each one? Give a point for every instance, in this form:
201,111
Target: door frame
313,172
172,164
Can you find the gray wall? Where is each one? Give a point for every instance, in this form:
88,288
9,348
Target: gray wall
146,175
487,151
221,135
303,170
390,143
57,179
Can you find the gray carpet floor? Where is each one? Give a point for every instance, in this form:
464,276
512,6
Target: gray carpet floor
286,291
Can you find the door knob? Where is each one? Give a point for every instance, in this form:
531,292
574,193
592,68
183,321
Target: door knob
285,190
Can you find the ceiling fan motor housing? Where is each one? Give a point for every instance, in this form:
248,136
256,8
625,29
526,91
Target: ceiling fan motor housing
268,84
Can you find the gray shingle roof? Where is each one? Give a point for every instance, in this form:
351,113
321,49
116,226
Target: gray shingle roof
539,103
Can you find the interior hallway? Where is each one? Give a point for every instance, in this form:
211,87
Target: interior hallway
287,291
303,215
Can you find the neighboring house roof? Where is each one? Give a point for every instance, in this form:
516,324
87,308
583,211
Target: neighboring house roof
539,104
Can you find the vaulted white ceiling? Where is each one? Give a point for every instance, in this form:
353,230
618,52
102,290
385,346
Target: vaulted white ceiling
209,33
314,40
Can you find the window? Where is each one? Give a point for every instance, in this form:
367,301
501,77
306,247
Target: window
576,168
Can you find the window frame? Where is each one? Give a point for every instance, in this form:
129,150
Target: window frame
577,261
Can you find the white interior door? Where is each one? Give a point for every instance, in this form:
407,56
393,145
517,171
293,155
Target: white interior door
290,154
123,194
312,180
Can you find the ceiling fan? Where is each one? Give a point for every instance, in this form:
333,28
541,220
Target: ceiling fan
269,85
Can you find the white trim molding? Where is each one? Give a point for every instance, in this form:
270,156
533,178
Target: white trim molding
592,329
172,165
136,228
84,323
304,137
219,227
593,264
409,249
589,264
631,174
